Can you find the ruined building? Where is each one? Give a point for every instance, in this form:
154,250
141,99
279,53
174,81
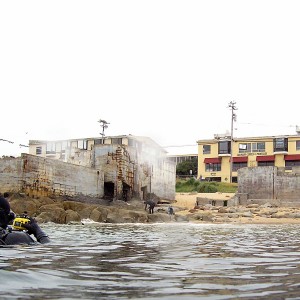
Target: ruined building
129,166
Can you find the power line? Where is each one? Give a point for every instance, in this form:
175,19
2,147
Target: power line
7,141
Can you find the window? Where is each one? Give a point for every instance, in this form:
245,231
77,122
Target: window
50,148
259,147
292,163
297,145
64,146
280,144
38,150
82,144
224,147
254,147
116,141
238,165
206,149
98,141
213,167
265,163
244,147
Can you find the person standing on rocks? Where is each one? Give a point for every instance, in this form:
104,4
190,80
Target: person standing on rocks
170,210
151,205
9,236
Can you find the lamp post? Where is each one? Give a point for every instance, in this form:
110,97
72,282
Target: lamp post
232,106
104,125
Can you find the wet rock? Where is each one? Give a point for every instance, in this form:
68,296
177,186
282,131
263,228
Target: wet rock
20,205
72,216
98,214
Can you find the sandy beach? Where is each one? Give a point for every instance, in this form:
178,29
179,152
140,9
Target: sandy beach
188,200
251,214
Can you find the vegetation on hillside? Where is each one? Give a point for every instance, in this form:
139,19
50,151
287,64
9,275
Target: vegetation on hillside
194,185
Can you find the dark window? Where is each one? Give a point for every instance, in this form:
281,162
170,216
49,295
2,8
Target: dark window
280,144
38,150
206,149
292,163
265,163
98,141
216,179
116,141
238,165
259,147
212,167
224,147
297,145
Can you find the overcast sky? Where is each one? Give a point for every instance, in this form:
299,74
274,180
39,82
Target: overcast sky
162,69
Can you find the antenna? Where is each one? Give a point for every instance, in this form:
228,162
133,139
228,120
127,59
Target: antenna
232,106
104,125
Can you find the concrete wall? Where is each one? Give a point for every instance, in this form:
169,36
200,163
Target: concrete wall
38,176
140,170
269,184
11,174
133,166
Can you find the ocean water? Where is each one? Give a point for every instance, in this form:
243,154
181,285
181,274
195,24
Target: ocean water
155,261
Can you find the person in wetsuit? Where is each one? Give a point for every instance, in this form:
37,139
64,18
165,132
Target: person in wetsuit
9,236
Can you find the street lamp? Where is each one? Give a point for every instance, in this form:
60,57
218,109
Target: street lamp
104,125
232,106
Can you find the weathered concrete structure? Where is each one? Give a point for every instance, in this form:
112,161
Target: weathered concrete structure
274,185
37,176
132,166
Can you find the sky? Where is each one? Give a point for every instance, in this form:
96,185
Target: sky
164,69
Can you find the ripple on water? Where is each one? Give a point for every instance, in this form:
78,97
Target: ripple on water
184,261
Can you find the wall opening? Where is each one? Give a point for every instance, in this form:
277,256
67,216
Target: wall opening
109,188
144,191
126,192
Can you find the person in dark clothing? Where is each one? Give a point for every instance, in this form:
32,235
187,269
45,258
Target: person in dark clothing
151,205
8,236
170,210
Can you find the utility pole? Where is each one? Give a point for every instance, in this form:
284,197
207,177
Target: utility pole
104,125
232,106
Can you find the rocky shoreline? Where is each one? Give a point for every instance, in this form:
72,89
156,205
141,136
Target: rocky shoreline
73,210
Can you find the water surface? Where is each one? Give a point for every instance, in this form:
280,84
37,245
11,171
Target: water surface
156,261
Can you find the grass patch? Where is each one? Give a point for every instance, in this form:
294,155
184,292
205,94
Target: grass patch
194,185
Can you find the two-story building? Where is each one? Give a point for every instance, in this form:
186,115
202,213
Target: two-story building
220,158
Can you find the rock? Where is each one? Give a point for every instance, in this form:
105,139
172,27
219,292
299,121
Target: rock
72,216
98,214
233,215
18,206
247,214
53,213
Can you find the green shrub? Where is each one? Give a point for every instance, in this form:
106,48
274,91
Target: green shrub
194,185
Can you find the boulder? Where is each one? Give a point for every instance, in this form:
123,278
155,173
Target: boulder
99,214
18,206
72,216
53,213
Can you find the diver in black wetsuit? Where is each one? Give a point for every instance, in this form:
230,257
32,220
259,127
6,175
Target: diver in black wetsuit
9,236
